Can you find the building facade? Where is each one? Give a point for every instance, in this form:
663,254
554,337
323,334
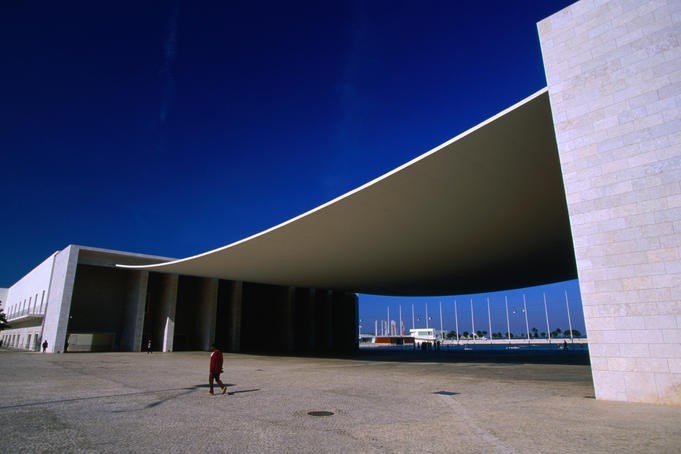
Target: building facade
613,69
78,300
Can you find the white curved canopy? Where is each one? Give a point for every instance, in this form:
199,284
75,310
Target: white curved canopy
484,211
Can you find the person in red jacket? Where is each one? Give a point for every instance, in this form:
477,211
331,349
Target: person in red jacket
215,369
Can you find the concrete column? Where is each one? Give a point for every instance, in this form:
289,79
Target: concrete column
287,322
352,301
168,305
59,298
133,325
328,320
235,301
207,312
310,321
614,77
345,323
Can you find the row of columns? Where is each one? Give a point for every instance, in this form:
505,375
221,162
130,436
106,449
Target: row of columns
239,316
290,320
189,313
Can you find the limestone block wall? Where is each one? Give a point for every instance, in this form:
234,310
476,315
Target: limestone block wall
613,69
24,304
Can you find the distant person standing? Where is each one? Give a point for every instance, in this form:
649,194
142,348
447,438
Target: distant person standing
215,369
149,346
44,346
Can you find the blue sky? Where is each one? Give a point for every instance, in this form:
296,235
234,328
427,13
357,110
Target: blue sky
172,128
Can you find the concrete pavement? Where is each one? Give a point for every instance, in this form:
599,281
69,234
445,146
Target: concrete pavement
134,402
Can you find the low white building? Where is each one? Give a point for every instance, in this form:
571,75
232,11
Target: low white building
423,336
38,307
85,299
3,298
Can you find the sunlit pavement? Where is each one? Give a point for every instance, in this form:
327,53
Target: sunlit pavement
135,402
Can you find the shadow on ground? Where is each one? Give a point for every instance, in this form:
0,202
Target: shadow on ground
519,356
576,357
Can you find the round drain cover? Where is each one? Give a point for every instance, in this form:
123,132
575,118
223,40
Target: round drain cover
320,413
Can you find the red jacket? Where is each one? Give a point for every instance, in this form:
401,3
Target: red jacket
216,362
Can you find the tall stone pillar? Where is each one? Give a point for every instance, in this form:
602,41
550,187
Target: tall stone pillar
235,301
613,69
207,312
329,331
310,321
287,322
59,297
136,300
345,322
168,306
353,340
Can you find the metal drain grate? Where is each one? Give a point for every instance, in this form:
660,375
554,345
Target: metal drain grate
320,413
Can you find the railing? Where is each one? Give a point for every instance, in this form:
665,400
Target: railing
25,313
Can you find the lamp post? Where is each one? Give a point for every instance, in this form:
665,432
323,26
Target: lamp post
508,323
456,321
527,325
567,305
489,319
546,311
472,320
441,328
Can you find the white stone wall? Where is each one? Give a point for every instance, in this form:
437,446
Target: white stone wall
25,304
614,75
23,338
60,293
29,294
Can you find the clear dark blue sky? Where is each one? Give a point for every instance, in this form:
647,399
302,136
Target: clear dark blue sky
172,128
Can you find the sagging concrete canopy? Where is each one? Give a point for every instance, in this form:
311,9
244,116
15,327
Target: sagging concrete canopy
484,211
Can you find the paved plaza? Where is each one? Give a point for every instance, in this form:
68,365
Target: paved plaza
402,402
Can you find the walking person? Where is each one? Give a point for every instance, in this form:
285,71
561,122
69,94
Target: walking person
215,369
149,346
44,346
